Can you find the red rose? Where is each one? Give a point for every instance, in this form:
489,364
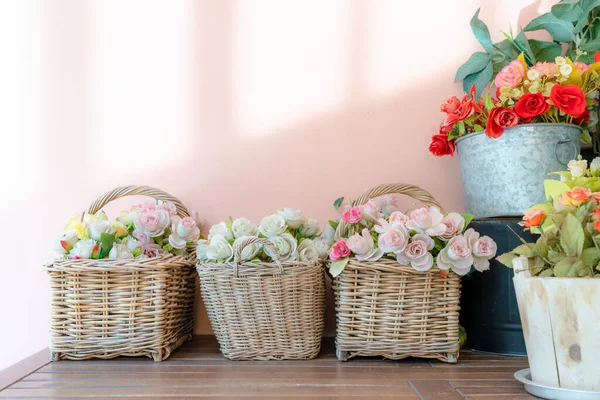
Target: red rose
450,105
500,118
531,105
569,99
583,119
441,146
597,56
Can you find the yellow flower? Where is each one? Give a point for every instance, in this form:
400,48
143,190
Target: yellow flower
119,228
74,224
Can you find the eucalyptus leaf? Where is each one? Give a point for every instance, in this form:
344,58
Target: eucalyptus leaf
545,51
560,30
522,44
481,32
337,267
591,46
587,6
477,62
567,10
338,202
479,79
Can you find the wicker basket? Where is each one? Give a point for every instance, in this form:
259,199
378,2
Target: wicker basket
109,308
265,311
391,310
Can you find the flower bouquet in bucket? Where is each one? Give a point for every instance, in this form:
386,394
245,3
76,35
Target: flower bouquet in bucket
264,286
124,286
396,275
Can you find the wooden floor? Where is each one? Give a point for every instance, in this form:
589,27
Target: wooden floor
198,370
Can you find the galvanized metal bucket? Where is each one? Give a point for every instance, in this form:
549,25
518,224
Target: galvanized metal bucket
505,176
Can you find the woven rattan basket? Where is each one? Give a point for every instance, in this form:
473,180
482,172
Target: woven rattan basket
108,308
265,311
390,310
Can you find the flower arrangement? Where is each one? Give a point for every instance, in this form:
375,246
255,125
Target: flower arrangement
423,238
559,92
568,225
296,238
145,230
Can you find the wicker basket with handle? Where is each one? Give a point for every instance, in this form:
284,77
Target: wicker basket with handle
390,310
122,307
265,311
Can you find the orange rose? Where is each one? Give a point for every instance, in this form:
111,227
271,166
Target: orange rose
533,218
596,196
576,197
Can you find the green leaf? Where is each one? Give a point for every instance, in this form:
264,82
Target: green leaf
468,218
479,79
338,202
526,250
507,259
587,6
461,127
545,51
591,46
590,256
541,247
546,273
476,63
572,236
554,188
334,224
567,10
106,243
568,267
481,32
522,44
489,103
561,31
337,267
478,128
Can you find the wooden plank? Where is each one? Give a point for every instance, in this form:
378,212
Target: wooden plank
433,390
23,368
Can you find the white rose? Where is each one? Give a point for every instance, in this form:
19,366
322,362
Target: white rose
292,216
286,246
363,246
427,221
595,165
219,249
273,225
310,227
244,227
65,242
120,251
307,251
250,251
97,227
83,249
577,167
328,233
323,247
202,249
135,246
456,255
220,229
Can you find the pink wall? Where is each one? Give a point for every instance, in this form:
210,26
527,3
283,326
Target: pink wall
237,107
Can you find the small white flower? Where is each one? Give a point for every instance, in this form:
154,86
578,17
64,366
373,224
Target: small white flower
533,74
595,165
566,70
219,249
577,167
244,227
250,251
272,225
220,229
293,217
560,60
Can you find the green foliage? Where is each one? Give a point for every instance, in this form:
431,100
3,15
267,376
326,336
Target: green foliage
106,243
334,224
560,30
338,202
337,267
468,218
481,32
572,236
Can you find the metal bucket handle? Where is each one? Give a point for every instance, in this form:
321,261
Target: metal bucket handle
565,140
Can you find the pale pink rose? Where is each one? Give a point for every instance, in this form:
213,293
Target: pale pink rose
195,214
371,211
177,242
393,238
169,207
149,205
427,221
456,255
386,204
339,250
188,230
152,223
455,223
483,249
143,238
363,246
581,66
417,255
352,216
153,250
511,75
398,216
546,69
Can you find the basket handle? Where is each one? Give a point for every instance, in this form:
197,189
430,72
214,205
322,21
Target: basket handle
395,188
135,190
264,242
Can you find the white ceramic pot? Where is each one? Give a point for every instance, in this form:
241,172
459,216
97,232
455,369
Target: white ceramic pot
561,324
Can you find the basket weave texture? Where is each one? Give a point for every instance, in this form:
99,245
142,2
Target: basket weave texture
390,310
108,308
265,311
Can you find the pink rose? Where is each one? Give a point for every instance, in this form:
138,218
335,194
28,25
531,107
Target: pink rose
511,75
149,205
169,207
363,247
393,238
455,223
152,223
483,249
188,230
386,204
371,210
427,221
417,253
546,69
196,217
456,255
153,250
398,216
339,250
581,66
352,216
